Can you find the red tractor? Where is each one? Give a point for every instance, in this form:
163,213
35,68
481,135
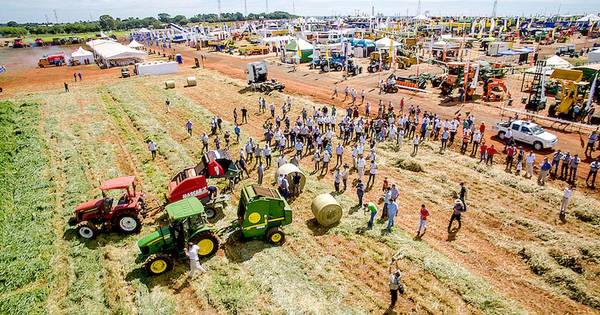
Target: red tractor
104,213
191,181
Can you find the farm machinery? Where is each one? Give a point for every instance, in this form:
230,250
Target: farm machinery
455,77
334,63
571,94
261,213
379,61
191,181
352,68
187,223
413,82
257,76
495,90
99,214
57,60
18,43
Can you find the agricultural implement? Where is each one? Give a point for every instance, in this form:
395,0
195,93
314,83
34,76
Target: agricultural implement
100,214
257,76
191,181
57,60
261,213
495,90
352,68
394,82
187,223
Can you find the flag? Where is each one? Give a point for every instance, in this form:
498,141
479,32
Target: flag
492,27
476,77
473,24
587,106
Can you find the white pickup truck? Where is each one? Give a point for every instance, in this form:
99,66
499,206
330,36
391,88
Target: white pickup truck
526,132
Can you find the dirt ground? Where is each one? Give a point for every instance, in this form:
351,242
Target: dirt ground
485,267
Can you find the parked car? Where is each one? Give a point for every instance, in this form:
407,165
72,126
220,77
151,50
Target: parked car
125,73
527,132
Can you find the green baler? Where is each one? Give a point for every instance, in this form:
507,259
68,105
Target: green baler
187,223
261,212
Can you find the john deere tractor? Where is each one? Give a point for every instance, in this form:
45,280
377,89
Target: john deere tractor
187,223
261,212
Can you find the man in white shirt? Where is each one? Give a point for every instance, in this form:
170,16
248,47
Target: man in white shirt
360,167
529,160
192,253
339,153
567,193
372,173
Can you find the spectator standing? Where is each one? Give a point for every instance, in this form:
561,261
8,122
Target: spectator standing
392,210
545,168
188,126
567,193
152,148
423,214
456,214
360,192
594,166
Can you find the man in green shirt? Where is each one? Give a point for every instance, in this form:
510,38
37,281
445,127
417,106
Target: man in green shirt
371,207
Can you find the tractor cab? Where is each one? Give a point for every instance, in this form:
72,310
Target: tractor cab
187,223
261,212
124,214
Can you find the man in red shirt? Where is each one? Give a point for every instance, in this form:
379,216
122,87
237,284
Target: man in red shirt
482,128
490,155
510,157
422,221
482,151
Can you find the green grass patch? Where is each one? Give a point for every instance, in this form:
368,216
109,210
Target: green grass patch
26,209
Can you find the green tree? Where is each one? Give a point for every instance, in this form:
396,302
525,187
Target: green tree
164,17
107,22
12,24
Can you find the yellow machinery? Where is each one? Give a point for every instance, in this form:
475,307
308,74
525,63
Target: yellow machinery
572,91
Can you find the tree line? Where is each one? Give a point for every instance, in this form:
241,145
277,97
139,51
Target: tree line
107,22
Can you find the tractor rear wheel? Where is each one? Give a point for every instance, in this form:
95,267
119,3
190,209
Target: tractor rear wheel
208,243
128,223
158,264
87,230
275,236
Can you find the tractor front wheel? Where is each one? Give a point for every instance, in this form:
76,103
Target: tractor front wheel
211,212
208,243
158,264
87,230
276,236
128,223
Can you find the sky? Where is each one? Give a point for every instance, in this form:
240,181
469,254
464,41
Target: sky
84,10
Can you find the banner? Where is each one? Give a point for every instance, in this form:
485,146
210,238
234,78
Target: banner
587,106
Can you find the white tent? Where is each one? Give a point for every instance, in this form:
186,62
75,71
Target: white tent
421,17
589,18
111,53
594,56
386,42
557,62
83,56
134,44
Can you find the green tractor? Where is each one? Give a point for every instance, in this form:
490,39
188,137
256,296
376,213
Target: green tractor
187,223
261,212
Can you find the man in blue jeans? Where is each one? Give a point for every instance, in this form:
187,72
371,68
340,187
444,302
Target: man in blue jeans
373,212
392,209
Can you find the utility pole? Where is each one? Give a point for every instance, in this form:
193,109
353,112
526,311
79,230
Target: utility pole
47,20
245,8
494,8
419,8
55,16
219,8
293,7
267,5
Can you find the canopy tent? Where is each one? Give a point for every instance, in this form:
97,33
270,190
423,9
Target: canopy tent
594,56
276,39
82,56
589,18
362,42
557,62
134,44
110,53
305,48
420,17
386,42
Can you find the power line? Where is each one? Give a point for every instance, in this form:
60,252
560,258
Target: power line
494,8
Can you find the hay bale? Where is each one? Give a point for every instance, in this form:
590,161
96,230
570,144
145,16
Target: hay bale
326,210
289,170
191,81
170,84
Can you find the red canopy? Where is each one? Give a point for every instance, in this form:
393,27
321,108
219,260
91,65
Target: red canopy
117,183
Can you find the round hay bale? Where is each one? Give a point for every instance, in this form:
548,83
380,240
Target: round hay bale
326,210
170,84
288,170
191,81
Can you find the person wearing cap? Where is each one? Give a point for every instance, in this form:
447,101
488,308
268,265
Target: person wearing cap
192,253
594,166
545,167
456,214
